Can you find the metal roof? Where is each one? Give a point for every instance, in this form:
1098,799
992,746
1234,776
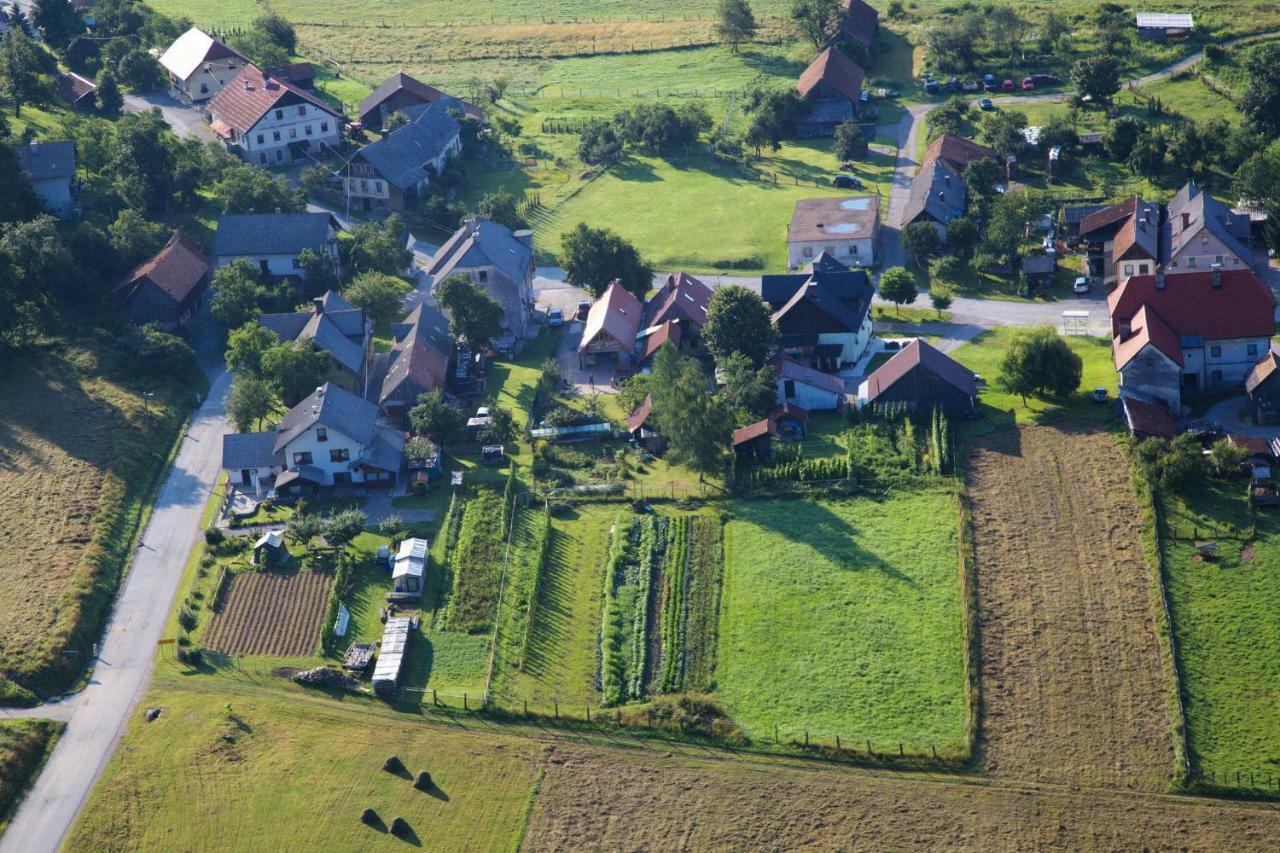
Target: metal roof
1164,20
411,559
395,642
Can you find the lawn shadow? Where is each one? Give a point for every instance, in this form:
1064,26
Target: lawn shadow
437,792
771,65
406,833
635,170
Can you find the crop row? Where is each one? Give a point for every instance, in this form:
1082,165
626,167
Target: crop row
533,532
702,610
476,564
653,540
671,674
613,665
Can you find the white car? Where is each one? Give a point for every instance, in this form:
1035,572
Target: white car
1081,285
555,318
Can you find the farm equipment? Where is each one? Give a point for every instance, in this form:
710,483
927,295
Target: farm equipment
358,657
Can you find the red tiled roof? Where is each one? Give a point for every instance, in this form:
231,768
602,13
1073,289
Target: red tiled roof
1242,308
753,431
860,21
177,270
1254,445
1148,418
1260,371
636,419
956,151
401,82
616,314
683,296
245,100
836,70
1108,215
668,331
1146,327
920,354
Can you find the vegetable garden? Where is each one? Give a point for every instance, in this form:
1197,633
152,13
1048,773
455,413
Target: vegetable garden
270,613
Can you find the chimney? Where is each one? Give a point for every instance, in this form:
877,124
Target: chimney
1159,280
1186,220
1217,276
317,305
524,235
942,195
946,179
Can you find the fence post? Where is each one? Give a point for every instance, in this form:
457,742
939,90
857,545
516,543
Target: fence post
901,751
435,700
837,741
806,737
465,707
557,704
868,746
588,713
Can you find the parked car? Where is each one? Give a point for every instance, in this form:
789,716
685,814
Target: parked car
1045,79
1028,83
953,85
584,308
985,104
931,87
846,182
555,318
1081,285
971,86
1008,85
989,82
355,130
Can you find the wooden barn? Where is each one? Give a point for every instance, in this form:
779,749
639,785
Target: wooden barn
923,378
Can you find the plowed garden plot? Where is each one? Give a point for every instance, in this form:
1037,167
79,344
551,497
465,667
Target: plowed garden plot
1074,683
270,613
596,799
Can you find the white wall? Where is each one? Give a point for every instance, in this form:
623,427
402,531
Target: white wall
220,73
807,396
56,195
297,122
1234,360
858,252
319,450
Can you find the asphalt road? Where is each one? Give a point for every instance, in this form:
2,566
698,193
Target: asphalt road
97,716
186,120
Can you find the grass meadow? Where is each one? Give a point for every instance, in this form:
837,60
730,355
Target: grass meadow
845,618
24,745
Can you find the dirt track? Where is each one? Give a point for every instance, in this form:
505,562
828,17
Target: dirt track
1074,686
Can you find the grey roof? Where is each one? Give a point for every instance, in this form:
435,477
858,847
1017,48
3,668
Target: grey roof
328,337
1205,212
402,157
250,450
1075,214
480,242
839,281
247,234
46,161
936,191
419,362
387,449
1039,264
339,329
334,408
844,297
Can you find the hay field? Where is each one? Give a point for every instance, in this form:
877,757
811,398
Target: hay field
1075,688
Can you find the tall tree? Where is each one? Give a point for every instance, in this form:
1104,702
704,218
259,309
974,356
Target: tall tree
736,24
501,206
1260,101
295,369
19,200
245,346
919,240
850,144
249,401
749,392
20,78
241,188
110,101
1096,77
898,286
1002,130
378,247
142,168
473,313
1038,361
815,19
594,257
278,30
437,418
738,321
378,294
59,22
695,422
236,293
134,239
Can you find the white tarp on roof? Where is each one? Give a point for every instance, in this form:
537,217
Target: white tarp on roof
411,559
186,53
395,641
1164,20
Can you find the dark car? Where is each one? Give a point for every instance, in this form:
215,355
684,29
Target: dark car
1045,79
932,87
985,104
989,82
846,182
584,308
953,85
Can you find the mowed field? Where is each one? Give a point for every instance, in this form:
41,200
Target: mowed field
270,613
1075,687
845,618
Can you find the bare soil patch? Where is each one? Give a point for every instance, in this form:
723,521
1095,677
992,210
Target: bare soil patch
598,799
271,613
1074,684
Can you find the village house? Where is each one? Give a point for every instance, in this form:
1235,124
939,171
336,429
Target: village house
937,196
51,168
400,91
651,339
1201,233
858,23
501,262
682,299
844,228
273,242
643,430
337,327
1164,26
1189,333
923,378
418,361
1263,387
831,87
823,317
801,385
269,121
1124,234
609,336
394,172
80,92
956,152
199,65
332,438
169,288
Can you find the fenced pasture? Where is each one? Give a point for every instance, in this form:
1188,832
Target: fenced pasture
270,613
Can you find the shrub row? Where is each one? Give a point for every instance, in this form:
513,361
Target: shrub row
671,675
476,564
535,564
653,536
612,664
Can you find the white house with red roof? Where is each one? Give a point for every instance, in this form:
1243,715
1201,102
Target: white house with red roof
1191,332
270,121
199,65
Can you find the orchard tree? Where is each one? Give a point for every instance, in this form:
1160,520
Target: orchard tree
20,72
737,23
341,530
437,418
1122,135
1260,101
378,247
134,239
920,239
962,237
850,144
295,369
473,313
1003,131
500,206
249,401
898,285
594,257
1038,361
815,19
245,346
1096,77
242,188
738,321
236,293
378,294
941,295
110,101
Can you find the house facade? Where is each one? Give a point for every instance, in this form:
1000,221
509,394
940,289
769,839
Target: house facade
199,65
169,288
273,242
844,228
394,172
51,168
269,121
501,262
823,317
831,88
418,361
801,385
1201,233
938,195
609,335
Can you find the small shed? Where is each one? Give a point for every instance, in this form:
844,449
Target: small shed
1263,387
395,642
270,550
1164,26
1147,420
642,430
409,570
755,441
790,421
1038,271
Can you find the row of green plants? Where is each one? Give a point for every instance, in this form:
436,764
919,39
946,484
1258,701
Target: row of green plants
704,566
612,663
653,542
674,614
476,564
442,552
528,573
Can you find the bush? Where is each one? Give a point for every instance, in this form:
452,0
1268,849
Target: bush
187,619
948,267
191,656
1214,54
213,535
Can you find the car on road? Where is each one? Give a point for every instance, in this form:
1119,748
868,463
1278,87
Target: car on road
985,104
1081,285
1008,85
846,182
1028,83
584,308
555,318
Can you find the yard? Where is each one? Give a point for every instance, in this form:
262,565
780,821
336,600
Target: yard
844,618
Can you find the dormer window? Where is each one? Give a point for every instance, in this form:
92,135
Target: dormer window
322,434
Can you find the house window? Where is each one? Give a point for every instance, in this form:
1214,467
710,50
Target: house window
275,135
364,185
302,457
339,455
341,478
204,88
302,109
324,127
307,130
1253,350
808,251
377,186
279,155
1217,259
1216,376
262,139
789,389
1142,269
1191,261
853,249
1215,352
279,114
1173,264
322,434
1128,269
262,158
293,133
484,276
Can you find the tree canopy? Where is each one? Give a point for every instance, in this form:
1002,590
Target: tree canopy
436,417
898,285
594,257
378,294
1260,101
695,422
738,321
736,24
473,313
1038,361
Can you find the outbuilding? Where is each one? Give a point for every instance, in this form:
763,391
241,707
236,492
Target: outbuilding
924,378
1263,387
754,441
409,571
270,550
395,642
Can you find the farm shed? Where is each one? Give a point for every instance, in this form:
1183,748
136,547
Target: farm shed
806,387
755,441
1164,26
395,643
1038,270
790,421
924,378
270,549
1263,387
409,571
1147,419
641,427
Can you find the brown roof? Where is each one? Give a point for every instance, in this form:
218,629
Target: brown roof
956,151
789,369
74,88
834,218
789,410
302,73
1146,327
401,82
616,314
836,70
1262,371
1242,307
1148,418
177,269
1254,445
920,354
682,296
1107,216
245,100
750,432
1141,231
636,419
668,331
859,22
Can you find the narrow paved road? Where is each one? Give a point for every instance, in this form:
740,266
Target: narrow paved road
97,716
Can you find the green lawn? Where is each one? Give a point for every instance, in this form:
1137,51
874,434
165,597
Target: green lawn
983,356
1226,620
296,775
845,618
24,745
